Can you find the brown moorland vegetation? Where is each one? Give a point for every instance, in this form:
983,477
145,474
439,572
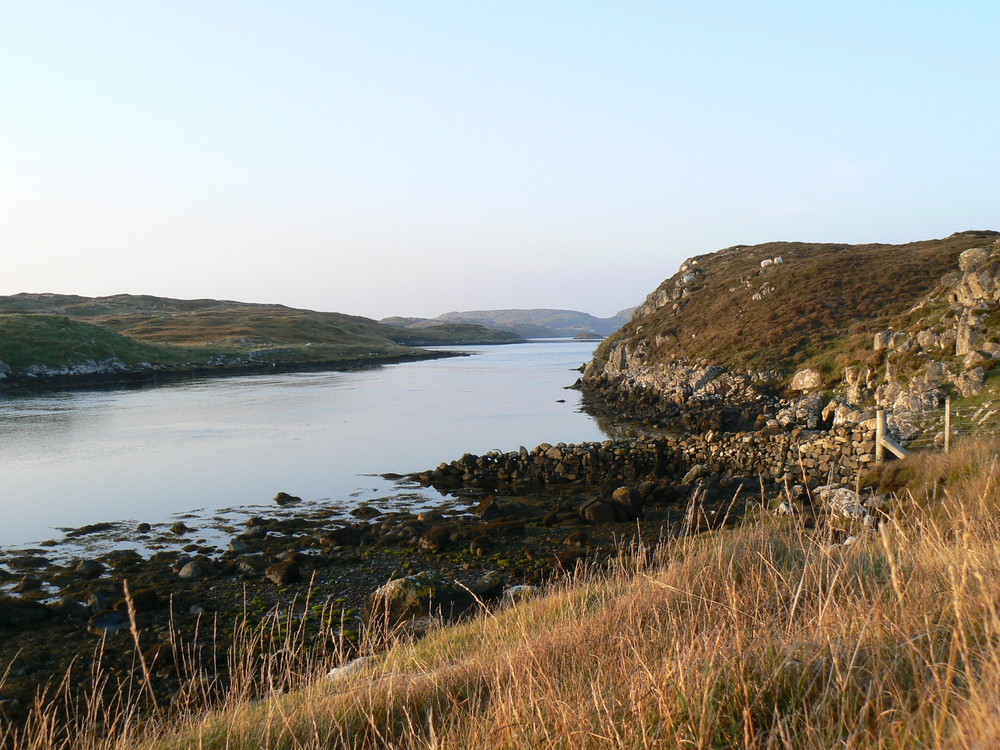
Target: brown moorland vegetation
820,306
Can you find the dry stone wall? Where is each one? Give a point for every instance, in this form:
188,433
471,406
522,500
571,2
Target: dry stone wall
838,455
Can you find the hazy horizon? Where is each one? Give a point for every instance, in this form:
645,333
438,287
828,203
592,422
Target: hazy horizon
397,159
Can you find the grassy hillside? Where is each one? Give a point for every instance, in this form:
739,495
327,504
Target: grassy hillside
61,331
238,324
820,305
58,341
772,635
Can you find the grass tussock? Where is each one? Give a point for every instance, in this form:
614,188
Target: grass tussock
766,636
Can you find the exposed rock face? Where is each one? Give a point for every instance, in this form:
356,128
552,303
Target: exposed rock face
689,396
953,338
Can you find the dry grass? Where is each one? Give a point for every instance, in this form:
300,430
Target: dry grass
766,636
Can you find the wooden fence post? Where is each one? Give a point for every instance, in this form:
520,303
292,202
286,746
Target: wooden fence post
947,424
879,435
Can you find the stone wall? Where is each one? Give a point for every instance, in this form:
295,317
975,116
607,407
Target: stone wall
838,455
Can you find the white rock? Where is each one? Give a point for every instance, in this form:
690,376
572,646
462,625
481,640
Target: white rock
842,501
520,593
806,379
354,665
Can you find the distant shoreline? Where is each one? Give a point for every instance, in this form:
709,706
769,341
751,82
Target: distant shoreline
99,380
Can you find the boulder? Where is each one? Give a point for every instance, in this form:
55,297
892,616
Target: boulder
69,608
283,573
807,379
424,594
436,539
28,583
27,562
283,498
805,412
489,509
839,413
597,511
973,259
696,472
971,383
345,536
490,586
107,623
841,501
194,569
88,568
627,503
349,668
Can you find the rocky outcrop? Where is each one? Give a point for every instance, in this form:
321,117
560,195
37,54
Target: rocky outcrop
682,360
678,394
946,344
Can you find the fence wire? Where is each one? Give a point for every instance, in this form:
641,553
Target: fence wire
923,429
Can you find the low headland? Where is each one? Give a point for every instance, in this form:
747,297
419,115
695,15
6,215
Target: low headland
65,341
747,569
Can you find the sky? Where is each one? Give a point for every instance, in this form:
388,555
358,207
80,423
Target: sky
413,158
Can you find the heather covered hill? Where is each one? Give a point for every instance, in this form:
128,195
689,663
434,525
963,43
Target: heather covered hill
780,304
889,324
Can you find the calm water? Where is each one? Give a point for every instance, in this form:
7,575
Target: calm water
68,459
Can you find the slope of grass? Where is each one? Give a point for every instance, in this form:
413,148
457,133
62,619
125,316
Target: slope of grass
766,636
202,341
58,341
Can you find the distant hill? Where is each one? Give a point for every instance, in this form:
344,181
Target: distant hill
541,323
67,335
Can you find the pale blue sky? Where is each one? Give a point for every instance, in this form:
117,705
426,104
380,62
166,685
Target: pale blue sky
384,158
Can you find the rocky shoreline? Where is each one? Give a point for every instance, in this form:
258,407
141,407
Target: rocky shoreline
491,536
109,375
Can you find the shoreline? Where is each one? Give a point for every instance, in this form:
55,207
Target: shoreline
53,613
20,384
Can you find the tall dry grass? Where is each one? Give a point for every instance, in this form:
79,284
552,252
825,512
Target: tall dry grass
766,636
